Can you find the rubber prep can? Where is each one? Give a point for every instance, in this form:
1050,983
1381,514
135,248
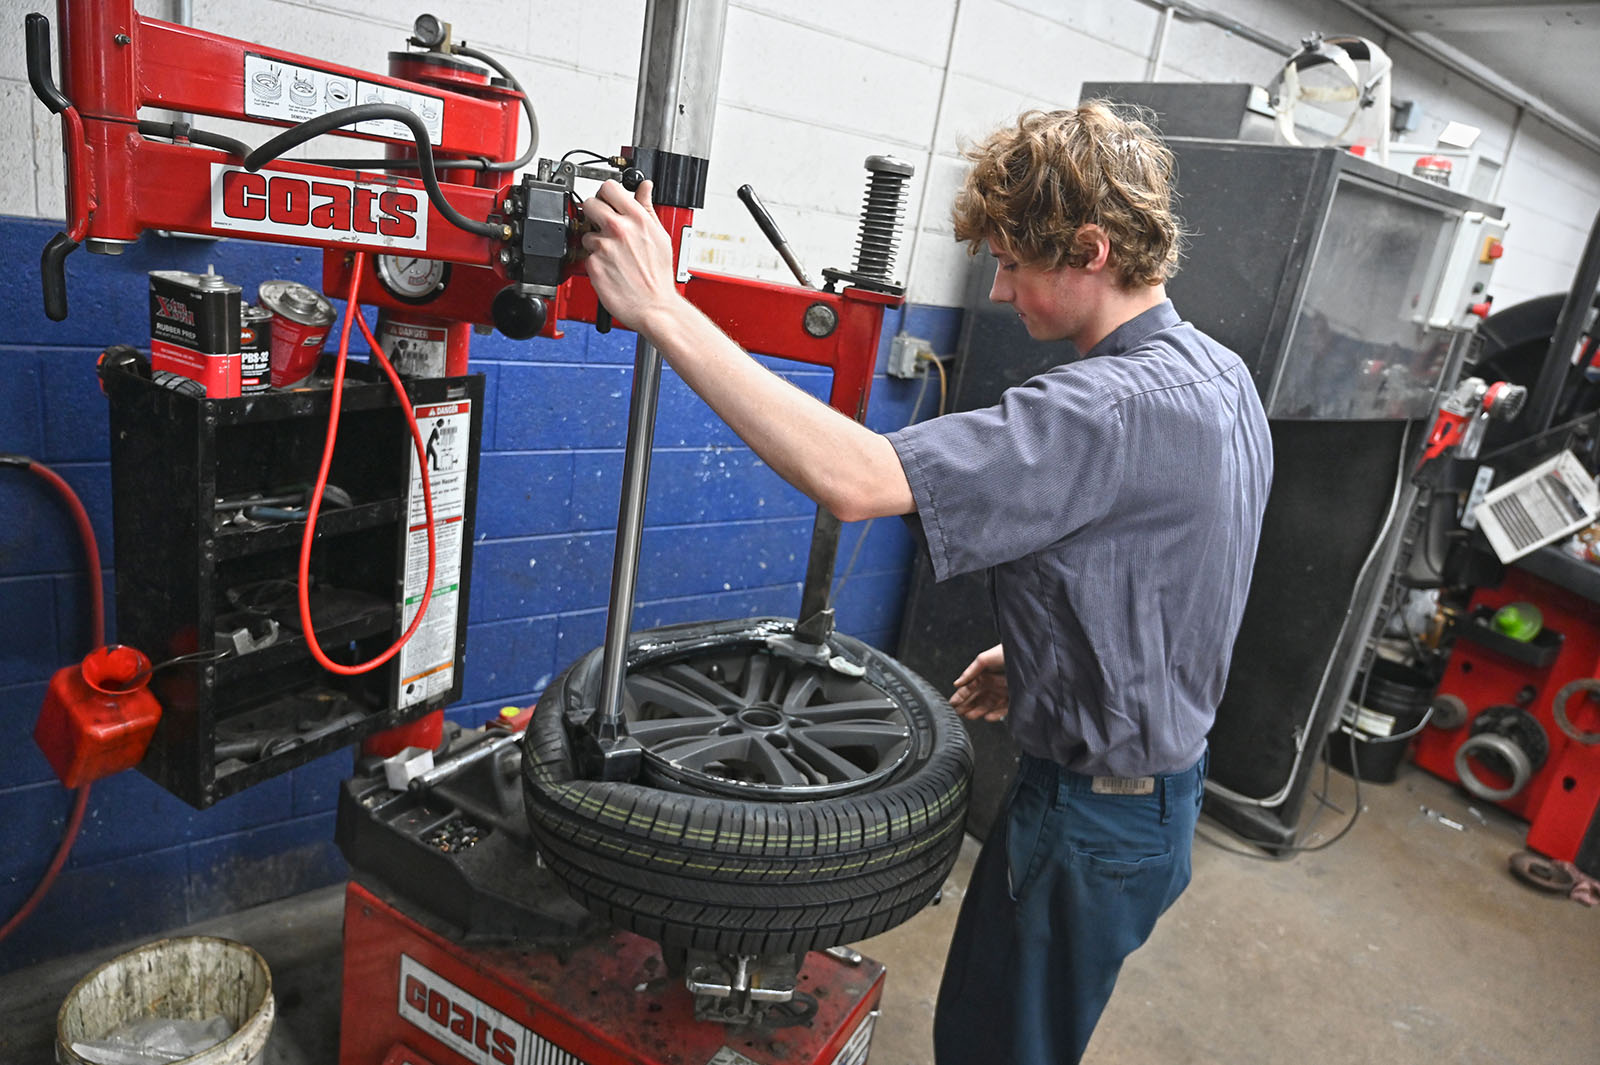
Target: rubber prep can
301,318
194,329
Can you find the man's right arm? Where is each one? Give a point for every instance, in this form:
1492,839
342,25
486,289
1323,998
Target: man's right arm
843,465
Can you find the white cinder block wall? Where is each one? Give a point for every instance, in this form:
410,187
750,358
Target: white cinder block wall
808,91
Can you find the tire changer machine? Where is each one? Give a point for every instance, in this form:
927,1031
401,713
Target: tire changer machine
459,946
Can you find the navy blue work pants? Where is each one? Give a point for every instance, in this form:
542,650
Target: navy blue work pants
1069,883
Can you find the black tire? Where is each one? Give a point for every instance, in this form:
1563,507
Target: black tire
744,875
1516,344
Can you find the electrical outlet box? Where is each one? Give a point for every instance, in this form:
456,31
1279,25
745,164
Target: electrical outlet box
903,355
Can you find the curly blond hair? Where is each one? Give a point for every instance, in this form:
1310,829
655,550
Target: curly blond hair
1033,185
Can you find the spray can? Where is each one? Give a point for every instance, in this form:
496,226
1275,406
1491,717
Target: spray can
194,329
255,349
301,318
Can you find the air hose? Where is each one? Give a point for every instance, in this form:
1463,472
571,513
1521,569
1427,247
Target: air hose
97,608
352,314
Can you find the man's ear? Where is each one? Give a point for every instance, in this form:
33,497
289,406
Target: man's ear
1092,246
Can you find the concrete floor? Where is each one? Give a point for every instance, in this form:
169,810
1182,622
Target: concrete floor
1407,941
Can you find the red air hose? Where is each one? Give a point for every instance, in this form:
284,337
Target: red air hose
97,608
97,596
352,313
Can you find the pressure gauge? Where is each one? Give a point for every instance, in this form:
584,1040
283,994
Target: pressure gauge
411,278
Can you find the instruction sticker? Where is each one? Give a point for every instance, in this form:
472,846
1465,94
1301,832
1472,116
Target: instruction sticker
427,661
290,92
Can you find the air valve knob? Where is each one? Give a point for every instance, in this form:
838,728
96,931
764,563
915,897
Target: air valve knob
517,314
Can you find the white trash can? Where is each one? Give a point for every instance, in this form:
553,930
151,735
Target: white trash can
191,978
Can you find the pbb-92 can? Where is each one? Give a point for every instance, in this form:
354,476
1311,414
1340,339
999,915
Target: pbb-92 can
255,349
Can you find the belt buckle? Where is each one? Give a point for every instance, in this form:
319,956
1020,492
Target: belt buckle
1123,786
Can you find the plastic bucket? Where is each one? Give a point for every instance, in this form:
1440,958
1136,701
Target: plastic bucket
1393,702
189,978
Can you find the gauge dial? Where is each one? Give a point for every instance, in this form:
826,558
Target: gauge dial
411,278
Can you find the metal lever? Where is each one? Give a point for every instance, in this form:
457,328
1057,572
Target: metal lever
53,275
605,751
37,29
53,263
770,229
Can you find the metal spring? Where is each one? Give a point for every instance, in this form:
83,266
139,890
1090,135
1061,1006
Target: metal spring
881,216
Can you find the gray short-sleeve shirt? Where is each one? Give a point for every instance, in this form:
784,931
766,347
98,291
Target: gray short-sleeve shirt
1116,502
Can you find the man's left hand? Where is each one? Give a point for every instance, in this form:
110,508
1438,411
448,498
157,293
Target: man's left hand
981,692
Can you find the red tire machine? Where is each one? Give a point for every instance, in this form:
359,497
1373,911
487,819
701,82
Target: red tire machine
477,956
1517,723
459,946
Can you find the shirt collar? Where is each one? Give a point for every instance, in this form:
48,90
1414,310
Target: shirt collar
1131,333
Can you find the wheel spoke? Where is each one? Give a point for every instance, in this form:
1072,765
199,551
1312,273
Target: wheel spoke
794,700
778,769
868,709
755,675
880,736
680,701
831,765
696,754
657,731
692,680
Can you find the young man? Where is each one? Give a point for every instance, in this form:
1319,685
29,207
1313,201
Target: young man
1116,502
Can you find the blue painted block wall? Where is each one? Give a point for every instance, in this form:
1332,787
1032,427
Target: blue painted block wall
724,537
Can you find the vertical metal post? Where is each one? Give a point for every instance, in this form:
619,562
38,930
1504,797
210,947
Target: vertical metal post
1546,394
679,64
1158,48
815,622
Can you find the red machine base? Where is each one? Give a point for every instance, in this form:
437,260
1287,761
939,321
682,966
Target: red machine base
1561,800
413,996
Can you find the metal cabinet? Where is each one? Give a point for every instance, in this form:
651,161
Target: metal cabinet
1331,277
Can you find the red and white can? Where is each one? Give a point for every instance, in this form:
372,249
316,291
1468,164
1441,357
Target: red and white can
301,319
194,329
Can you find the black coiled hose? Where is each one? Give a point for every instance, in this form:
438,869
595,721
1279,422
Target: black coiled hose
349,116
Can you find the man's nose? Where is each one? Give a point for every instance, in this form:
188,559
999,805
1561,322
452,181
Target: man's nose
1000,291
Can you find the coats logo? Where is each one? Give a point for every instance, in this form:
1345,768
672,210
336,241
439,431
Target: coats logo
467,1025
319,209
